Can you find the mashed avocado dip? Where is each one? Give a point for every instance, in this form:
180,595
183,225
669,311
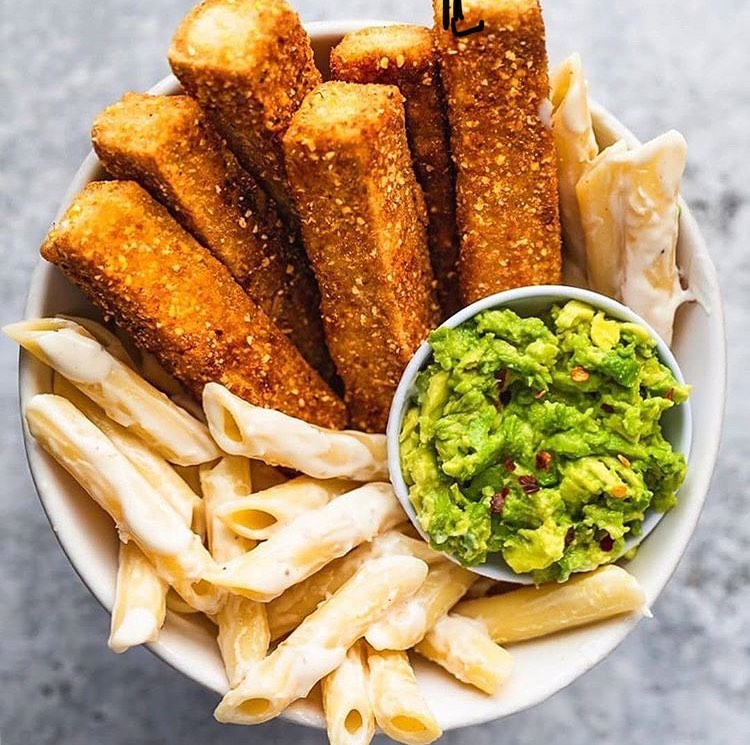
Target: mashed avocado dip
540,438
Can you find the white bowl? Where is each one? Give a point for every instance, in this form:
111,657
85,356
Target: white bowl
528,301
542,667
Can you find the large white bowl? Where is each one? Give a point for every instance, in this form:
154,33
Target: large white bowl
542,667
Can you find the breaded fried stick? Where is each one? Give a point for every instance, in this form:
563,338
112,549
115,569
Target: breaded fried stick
165,144
496,85
363,219
131,258
249,63
404,56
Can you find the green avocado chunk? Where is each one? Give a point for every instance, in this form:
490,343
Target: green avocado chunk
540,439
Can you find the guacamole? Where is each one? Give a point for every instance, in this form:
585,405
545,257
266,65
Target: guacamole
540,438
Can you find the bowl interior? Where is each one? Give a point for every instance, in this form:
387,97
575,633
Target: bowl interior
542,667
530,301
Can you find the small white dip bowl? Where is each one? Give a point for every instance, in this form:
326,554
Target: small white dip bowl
543,666
529,301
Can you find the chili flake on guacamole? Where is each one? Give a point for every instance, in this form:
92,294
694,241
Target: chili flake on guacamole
540,438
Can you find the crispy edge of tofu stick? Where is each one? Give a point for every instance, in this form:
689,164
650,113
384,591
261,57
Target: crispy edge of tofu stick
403,55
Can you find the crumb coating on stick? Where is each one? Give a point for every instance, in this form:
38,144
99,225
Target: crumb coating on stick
364,223
167,146
404,56
497,88
129,256
250,64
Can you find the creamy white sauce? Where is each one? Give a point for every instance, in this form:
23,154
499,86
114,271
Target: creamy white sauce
279,439
76,357
138,626
647,209
402,628
545,113
107,474
153,524
574,111
311,664
315,538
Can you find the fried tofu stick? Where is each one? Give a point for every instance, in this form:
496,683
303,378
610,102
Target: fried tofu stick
364,223
130,257
496,85
404,56
249,63
166,145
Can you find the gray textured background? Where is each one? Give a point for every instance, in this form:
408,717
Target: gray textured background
681,678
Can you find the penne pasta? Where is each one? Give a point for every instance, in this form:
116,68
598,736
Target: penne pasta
400,708
153,371
243,628
482,587
302,547
160,474
260,515
629,203
110,341
140,601
289,610
177,605
221,483
280,440
602,263
576,147
394,542
125,397
464,648
346,703
538,611
406,624
320,643
117,486
243,636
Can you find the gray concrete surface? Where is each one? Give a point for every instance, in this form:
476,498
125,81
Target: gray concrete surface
682,678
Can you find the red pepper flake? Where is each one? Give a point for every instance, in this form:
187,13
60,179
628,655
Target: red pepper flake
579,374
570,536
670,395
620,491
607,543
510,465
498,501
529,484
543,460
607,409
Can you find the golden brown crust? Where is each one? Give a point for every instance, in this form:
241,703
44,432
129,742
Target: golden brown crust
166,145
363,220
131,258
403,55
496,85
249,63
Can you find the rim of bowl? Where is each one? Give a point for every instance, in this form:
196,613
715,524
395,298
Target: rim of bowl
39,466
495,567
